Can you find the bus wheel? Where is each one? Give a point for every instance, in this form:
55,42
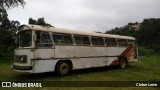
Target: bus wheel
122,63
62,68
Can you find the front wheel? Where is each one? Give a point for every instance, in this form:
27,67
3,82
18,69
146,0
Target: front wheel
122,63
62,68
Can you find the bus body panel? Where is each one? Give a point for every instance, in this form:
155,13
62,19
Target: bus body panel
44,53
114,51
78,51
19,53
82,56
64,52
44,65
44,60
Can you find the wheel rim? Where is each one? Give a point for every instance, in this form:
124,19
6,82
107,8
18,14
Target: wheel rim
64,68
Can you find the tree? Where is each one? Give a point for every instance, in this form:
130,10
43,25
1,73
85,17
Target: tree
147,36
149,33
32,21
4,21
39,21
8,28
11,3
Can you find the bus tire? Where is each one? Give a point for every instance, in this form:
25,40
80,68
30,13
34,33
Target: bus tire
62,68
122,63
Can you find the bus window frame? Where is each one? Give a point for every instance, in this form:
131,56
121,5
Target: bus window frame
38,45
62,34
132,41
19,38
94,37
82,43
109,41
98,43
122,40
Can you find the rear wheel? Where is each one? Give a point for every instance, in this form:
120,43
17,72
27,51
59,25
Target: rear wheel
122,63
62,68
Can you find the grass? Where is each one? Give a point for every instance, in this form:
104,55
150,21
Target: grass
146,69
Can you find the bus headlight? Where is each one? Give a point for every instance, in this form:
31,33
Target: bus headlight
20,59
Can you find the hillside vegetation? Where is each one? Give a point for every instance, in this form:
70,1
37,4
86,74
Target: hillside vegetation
147,35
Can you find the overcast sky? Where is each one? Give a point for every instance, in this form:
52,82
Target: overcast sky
87,15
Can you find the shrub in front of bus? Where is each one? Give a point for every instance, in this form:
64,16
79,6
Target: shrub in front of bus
20,59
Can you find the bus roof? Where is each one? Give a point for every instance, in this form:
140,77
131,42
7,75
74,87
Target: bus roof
61,30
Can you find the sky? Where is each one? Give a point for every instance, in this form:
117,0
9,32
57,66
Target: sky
87,15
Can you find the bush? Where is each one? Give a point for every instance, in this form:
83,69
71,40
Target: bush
6,51
142,51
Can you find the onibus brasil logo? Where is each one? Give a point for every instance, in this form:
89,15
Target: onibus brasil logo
20,84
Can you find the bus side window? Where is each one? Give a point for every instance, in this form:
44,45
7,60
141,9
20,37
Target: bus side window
85,40
97,41
122,42
112,42
43,39
131,43
94,40
58,38
81,40
62,38
100,41
67,39
78,39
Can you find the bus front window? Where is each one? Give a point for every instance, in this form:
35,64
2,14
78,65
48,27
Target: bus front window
25,38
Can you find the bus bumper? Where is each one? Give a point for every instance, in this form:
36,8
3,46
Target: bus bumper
22,67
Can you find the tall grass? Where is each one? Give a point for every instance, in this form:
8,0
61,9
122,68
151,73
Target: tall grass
142,51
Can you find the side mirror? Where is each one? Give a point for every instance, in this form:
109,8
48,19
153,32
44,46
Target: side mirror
35,37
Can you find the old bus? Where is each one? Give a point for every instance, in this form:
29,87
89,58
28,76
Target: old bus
45,49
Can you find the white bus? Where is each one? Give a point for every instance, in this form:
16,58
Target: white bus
46,49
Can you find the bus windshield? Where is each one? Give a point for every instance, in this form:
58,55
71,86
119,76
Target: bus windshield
25,38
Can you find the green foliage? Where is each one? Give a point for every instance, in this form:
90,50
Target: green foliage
6,51
4,21
6,43
32,21
6,37
8,28
147,36
142,51
11,3
39,21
